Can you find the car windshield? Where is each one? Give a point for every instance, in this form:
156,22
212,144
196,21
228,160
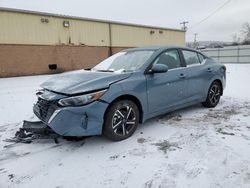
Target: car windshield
124,61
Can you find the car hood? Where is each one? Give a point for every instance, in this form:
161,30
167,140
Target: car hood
82,81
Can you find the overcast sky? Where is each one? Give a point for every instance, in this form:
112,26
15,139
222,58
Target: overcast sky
221,26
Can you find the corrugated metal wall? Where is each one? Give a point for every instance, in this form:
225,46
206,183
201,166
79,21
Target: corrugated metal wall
232,54
24,28
20,28
124,35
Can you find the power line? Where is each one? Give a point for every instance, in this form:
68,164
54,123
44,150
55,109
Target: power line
214,12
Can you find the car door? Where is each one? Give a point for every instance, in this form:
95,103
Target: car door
165,90
196,74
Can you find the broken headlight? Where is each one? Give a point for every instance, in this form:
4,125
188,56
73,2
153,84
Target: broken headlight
81,99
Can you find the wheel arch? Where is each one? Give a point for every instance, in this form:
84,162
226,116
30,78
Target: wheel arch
132,98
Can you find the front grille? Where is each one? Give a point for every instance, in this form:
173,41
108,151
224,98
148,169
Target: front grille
44,109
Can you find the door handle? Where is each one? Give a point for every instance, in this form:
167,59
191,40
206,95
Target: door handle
182,75
209,69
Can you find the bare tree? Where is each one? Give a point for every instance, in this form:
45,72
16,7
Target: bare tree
246,31
236,40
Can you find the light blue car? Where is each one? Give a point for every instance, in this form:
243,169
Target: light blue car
127,89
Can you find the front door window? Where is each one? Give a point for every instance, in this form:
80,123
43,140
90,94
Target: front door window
170,58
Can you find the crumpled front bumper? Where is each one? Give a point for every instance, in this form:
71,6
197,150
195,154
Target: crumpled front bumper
78,121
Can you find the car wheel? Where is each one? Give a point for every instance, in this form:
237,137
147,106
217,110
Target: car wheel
121,120
213,96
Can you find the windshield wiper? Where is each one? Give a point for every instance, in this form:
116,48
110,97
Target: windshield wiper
105,70
87,69
128,70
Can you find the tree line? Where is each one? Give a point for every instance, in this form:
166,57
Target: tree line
243,38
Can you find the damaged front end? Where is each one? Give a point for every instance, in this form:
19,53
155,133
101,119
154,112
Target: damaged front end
33,130
44,110
62,115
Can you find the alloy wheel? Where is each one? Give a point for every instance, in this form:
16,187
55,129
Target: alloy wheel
214,94
123,120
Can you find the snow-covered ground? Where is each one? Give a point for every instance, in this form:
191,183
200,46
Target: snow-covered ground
193,147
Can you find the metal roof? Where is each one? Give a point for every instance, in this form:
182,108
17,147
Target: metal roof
82,18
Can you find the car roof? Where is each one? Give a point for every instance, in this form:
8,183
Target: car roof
155,48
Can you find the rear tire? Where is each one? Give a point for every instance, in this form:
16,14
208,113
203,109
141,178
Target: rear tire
213,95
121,120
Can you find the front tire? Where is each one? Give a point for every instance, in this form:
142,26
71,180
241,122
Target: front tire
121,120
213,96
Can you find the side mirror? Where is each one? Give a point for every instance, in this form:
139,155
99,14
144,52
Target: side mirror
159,68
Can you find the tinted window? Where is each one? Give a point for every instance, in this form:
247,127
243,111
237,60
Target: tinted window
170,58
190,57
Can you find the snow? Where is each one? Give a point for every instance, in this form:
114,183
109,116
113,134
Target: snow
192,147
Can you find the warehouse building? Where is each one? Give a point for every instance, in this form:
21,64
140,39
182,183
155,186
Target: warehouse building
42,43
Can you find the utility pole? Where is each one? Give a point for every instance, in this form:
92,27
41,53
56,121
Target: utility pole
184,27
195,40
195,37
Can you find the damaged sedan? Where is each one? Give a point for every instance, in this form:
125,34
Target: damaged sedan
127,89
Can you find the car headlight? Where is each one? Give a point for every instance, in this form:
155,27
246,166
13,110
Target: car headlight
81,99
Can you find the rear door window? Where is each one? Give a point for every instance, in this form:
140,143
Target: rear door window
191,58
